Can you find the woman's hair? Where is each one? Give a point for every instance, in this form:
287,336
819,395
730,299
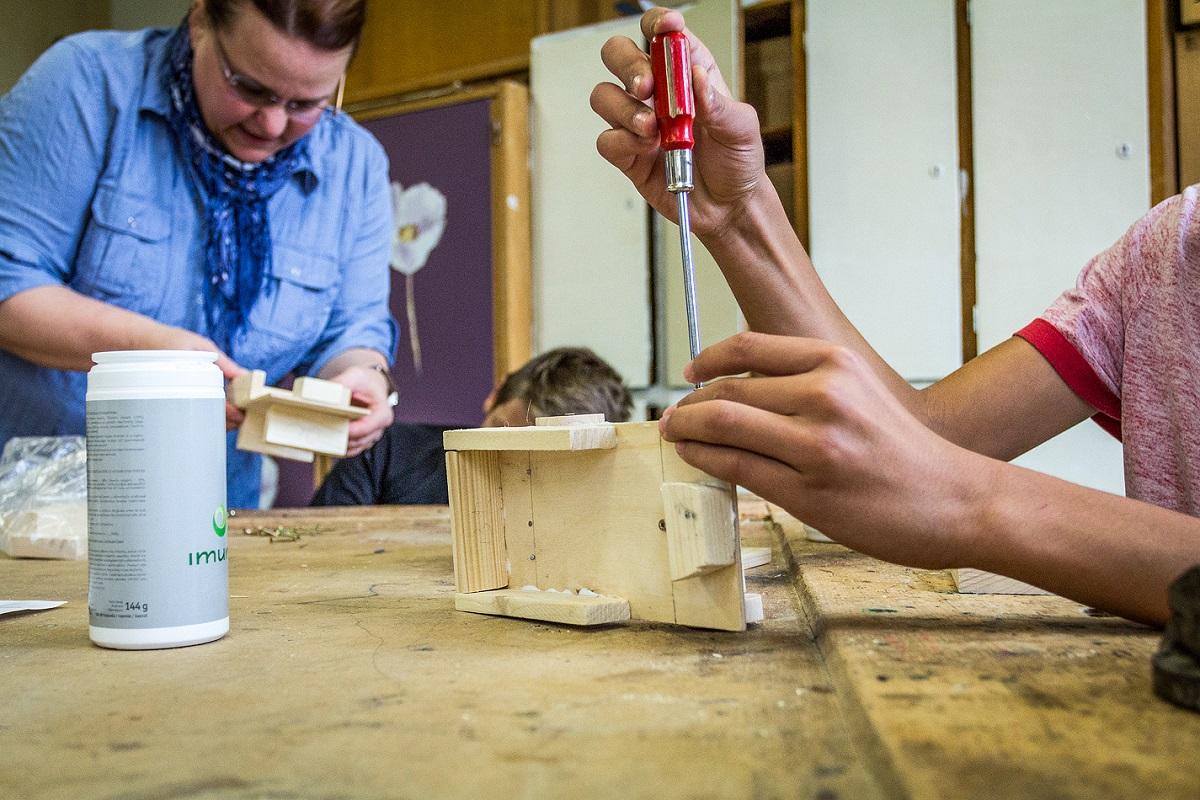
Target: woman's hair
568,380
327,24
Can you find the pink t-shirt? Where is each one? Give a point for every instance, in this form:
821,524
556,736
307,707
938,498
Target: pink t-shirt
1126,339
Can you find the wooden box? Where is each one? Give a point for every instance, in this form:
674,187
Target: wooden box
591,523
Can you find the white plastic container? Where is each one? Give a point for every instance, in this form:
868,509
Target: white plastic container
158,574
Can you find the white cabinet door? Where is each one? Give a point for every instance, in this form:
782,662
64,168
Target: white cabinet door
1061,170
592,235
716,23
883,174
591,231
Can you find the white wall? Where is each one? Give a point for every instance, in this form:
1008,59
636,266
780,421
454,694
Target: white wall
592,236
883,175
1061,170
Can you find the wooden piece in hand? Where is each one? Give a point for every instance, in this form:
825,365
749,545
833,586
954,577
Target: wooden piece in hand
313,417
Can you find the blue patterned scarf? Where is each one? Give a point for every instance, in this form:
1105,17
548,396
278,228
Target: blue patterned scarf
237,247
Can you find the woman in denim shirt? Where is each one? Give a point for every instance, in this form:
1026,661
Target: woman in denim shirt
193,189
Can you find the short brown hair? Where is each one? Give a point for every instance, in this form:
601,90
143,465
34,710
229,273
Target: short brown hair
327,24
568,380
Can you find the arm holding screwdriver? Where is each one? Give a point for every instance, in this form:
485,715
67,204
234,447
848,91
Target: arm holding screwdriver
829,431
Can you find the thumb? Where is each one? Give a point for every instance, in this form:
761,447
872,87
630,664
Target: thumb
229,368
713,102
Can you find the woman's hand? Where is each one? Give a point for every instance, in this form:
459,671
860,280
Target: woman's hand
728,152
368,388
816,431
171,338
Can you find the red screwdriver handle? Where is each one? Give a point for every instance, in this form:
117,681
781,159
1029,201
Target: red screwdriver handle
673,102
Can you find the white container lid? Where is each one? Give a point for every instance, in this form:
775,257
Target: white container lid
127,374
141,356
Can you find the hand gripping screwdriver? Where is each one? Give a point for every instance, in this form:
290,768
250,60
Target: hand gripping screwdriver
675,108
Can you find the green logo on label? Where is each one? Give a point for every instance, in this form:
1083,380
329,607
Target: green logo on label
220,521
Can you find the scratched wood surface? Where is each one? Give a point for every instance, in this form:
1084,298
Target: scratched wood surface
348,674
960,696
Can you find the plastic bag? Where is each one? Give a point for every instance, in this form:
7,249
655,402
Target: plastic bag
43,497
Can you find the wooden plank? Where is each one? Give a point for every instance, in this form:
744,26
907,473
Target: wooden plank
569,419
1187,95
50,531
252,437
966,166
946,692
249,389
716,599
548,606
275,396
597,519
755,556
247,386
306,429
477,521
520,533
566,437
1160,71
512,230
323,391
976,581
701,529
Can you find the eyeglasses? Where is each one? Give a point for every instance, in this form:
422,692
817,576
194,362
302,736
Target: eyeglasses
254,93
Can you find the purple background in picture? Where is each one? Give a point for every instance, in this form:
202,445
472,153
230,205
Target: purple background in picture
450,149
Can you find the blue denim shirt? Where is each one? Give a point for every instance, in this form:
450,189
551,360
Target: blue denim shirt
94,196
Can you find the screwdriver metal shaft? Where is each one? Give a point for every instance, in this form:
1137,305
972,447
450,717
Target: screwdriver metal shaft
689,274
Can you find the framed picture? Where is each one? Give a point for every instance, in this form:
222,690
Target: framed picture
461,259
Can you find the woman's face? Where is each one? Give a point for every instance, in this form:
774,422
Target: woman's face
254,58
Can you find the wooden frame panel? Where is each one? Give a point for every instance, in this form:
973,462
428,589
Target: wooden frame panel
477,530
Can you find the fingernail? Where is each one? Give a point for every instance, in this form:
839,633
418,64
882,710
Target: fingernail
689,372
633,83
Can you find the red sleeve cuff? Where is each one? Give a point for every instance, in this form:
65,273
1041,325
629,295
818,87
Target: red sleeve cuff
1076,372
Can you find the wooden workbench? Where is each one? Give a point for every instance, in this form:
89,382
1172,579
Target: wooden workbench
347,674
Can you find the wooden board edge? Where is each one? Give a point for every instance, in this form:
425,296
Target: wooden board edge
545,606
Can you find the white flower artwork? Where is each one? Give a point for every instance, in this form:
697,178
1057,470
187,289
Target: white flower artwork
418,221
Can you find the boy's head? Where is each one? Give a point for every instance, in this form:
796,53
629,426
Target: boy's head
566,380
